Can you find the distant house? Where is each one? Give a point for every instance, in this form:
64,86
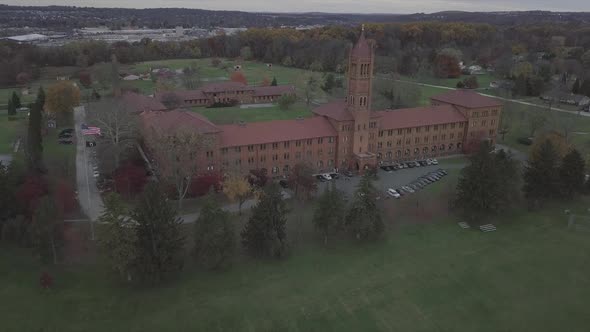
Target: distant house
131,78
566,98
476,70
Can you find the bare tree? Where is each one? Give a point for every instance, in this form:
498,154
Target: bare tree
177,157
118,126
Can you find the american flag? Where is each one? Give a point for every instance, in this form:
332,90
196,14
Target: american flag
86,130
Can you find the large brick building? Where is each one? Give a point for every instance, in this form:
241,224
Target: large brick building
343,134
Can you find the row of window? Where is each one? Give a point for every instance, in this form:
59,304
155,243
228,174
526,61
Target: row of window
274,146
483,123
425,150
285,156
419,129
424,140
476,114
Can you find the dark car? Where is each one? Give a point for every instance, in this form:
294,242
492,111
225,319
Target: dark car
67,131
423,163
385,168
320,178
411,165
284,184
400,191
65,141
335,176
348,174
64,135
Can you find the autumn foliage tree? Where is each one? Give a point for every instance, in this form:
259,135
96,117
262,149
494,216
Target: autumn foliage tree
65,197
302,181
447,66
29,193
129,179
85,79
60,100
239,77
237,189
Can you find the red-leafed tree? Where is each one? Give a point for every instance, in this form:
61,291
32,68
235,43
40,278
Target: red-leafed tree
65,197
30,192
85,78
447,67
201,185
265,81
239,77
129,179
258,177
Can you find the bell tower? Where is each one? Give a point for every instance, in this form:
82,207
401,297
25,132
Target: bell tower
360,77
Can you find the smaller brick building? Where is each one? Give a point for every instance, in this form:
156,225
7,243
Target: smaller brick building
226,92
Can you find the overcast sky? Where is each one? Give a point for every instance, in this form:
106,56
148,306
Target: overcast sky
333,6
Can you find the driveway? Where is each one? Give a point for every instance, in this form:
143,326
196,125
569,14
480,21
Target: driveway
88,194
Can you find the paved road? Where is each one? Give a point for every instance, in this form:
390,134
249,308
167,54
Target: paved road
88,194
491,96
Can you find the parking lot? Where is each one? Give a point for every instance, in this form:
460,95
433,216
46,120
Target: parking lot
393,179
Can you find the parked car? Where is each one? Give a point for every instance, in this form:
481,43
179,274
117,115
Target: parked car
64,135
334,175
386,168
410,165
96,174
320,177
408,189
348,174
393,193
65,141
67,131
327,176
417,164
423,163
434,161
283,183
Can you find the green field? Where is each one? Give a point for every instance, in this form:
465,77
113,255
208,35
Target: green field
8,132
530,275
228,115
255,72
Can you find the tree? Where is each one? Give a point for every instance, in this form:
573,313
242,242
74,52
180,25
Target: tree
309,86
237,189
246,53
61,99
16,100
191,78
329,82
239,77
160,243
171,100
302,181
265,234
274,82
176,154
488,184
471,82
118,126
11,110
115,79
47,229
118,238
571,173
85,79
34,150
265,81
286,101
214,236
576,87
363,219
65,196
447,67
129,179
330,212
541,175
536,122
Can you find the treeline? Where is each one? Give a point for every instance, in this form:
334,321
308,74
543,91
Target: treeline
404,48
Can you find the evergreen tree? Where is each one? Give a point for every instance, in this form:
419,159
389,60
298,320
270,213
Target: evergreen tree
274,82
330,212
16,100
487,184
34,137
159,237
571,173
576,87
585,88
265,234
214,236
10,107
363,219
329,82
47,229
118,238
541,175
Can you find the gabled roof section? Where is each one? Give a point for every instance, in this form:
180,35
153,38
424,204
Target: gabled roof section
361,49
175,121
182,94
275,131
139,103
335,110
467,98
419,116
273,90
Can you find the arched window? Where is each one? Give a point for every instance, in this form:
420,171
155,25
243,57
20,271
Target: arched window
407,152
433,148
459,145
416,151
286,169
379,155
442,147
398,153
451,146
425,150
389,154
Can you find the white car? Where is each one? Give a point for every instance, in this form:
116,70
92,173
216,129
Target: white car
434,161
393,193
327,177
408,189
96,174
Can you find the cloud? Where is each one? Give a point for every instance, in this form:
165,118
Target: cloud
334,6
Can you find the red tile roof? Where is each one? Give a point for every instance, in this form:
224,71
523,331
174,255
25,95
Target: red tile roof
334,110
174,121
419,116
467,98
182,94
361,49
273,90
140,103
275,131
226,86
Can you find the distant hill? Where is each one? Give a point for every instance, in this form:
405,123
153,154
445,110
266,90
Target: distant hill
64,18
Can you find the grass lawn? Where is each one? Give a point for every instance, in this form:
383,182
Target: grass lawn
60,159
255,72
530,275
227,115
8,132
